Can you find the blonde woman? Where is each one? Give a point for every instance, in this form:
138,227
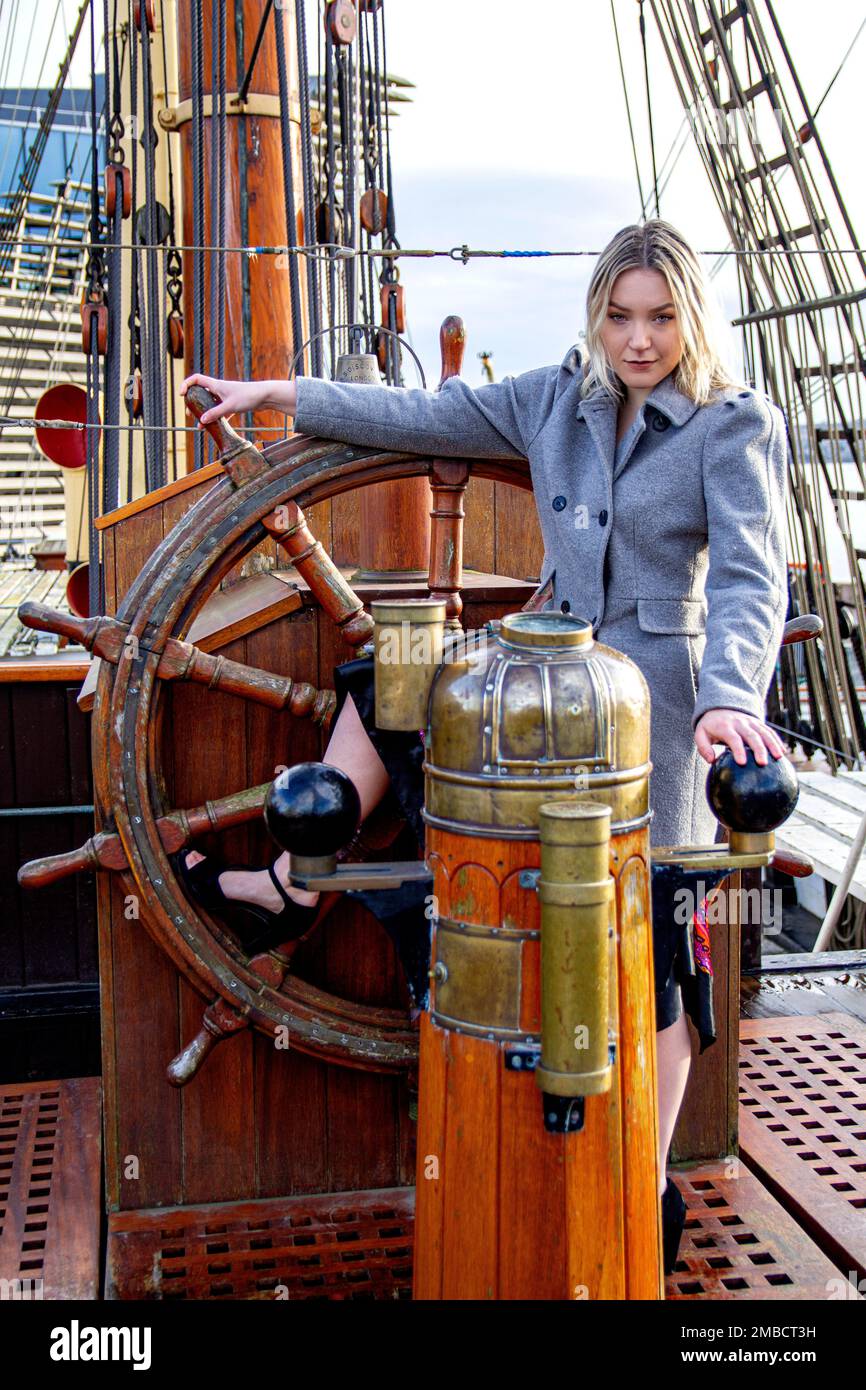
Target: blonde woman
660,486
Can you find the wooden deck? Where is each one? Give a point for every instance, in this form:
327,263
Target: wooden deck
803,1095
50,1189
783,1220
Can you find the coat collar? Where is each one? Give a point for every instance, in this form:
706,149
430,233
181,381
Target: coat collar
665,397
599,411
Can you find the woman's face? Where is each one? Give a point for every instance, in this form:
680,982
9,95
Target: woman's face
641,335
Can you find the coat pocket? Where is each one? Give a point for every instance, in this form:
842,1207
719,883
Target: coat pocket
687,616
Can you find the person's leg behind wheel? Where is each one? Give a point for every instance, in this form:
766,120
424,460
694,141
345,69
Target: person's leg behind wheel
349,748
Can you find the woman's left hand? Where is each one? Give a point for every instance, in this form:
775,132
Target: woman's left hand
736,729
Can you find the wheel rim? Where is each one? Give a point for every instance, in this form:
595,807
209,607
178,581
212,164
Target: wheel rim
163,602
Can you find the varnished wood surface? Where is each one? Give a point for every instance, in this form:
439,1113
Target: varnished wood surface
269,314
50,1232
803,1095
516,1212
64,666
740,1243
341,1245
707,1123
203,478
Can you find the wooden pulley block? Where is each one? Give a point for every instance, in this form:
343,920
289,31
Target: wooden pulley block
326,230
94,310
174,324
134,393
111,175
385,296
342,20
148,15
381,341
373,210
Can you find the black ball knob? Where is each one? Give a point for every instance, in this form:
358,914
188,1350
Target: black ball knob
312,809
750,798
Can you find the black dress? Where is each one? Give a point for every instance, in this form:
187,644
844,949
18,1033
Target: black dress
681,951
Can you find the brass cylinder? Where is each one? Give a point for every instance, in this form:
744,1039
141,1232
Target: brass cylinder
575,891
407,651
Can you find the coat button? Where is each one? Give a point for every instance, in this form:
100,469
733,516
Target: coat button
559,503
660,423
602,517
565,606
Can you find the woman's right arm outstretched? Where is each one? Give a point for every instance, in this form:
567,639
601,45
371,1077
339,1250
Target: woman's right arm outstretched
493,421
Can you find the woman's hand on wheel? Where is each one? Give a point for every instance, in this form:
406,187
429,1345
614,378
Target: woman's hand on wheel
736,729
234,396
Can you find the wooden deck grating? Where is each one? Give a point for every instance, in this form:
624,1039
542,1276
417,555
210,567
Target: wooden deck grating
739,1243
786,1221
50,1189
343,1246
803,1124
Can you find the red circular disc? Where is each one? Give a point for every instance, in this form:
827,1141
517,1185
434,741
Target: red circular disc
78,591
63,402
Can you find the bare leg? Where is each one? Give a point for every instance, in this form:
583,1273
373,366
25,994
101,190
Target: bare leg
674,1052
350,749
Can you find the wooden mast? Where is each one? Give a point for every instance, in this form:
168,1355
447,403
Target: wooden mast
270,320
386,529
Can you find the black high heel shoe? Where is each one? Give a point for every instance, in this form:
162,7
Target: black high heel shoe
201,881
673,1221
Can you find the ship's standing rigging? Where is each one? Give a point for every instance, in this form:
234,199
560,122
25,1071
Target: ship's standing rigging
799,263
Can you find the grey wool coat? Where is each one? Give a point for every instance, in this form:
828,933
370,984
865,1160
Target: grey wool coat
676,555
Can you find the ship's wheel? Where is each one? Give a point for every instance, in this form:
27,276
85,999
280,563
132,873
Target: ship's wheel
261,493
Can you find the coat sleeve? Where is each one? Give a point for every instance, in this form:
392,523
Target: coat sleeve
497,420
745,471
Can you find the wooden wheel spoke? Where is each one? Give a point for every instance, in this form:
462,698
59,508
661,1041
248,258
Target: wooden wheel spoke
220,1021
290,529
176,830
184,661
448,482
111,640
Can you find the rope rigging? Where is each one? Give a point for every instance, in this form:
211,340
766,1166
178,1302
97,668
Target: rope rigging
801,294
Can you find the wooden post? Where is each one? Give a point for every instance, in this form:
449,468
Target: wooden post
270,320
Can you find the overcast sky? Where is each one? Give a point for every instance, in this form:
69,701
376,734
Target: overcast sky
517,138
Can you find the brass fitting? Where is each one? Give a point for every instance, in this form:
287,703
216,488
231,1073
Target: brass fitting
407,652
575,891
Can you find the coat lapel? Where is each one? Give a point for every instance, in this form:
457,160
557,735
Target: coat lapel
600,412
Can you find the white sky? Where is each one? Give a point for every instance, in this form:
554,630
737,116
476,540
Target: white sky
517,137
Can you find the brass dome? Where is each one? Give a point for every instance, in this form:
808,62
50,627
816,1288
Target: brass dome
532,709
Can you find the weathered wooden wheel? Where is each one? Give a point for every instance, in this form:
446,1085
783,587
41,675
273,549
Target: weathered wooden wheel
261,493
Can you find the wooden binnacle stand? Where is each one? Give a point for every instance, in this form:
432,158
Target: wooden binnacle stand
537,1130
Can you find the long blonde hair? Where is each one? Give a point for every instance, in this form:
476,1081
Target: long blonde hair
656,245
